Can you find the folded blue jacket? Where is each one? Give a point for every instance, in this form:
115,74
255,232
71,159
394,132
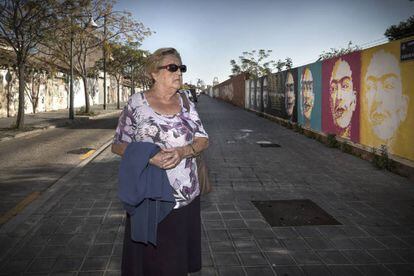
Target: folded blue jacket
144,190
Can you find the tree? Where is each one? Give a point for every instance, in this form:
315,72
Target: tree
23,25
36,78
333,52
84,22
122,59
256,63
403,29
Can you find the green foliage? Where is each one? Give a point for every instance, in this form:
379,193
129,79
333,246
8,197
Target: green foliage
381,159
345,147
331,140
257,63
333,52
403,29
298,128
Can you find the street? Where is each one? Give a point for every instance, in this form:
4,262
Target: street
31,164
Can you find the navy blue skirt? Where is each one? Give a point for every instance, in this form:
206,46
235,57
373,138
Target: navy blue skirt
178,249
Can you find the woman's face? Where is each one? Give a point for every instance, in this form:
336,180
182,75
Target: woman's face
166,78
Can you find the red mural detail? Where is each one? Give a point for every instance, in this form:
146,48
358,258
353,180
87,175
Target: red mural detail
340,96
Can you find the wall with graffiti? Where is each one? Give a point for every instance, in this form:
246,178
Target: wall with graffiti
366,97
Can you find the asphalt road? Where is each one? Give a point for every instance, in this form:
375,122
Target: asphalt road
31,164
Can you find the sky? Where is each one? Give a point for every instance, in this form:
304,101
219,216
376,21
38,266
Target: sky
209,33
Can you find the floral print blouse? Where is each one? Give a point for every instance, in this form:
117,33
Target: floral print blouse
140,123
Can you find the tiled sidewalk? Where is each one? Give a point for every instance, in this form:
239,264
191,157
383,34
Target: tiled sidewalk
80,231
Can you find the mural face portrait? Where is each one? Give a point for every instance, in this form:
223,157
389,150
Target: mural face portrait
387,106
308,97
252,95
289,94
342,94
265,93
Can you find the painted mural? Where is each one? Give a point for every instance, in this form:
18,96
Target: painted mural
310,98
259,103
265,94
275,96
252,87
387,100
341,96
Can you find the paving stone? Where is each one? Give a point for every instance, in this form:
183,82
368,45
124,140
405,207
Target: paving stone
222,246
67,264
344,270
226,259
100,250
252,259
280,258
231,271
359,257
288,270
385,256
368,243
306,257
115,263
401,269
259,271
268,244
218,235
316,270
331,257
240,234
285,232
246,246
295,244
41,265
374,270
95,263
320,243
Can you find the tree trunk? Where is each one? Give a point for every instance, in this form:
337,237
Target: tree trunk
117,96
22,83
85,85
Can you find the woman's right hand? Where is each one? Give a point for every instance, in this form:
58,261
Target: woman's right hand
158,160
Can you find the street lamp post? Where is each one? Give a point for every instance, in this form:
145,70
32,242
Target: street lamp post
104,64
71,94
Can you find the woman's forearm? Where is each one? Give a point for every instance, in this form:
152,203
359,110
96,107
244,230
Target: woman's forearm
199,144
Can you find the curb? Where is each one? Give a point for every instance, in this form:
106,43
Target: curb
22,223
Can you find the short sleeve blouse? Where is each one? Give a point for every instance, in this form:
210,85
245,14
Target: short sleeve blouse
138,122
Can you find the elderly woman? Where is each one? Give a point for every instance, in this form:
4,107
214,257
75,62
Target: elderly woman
160,116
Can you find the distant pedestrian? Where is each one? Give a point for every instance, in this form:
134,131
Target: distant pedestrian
158,116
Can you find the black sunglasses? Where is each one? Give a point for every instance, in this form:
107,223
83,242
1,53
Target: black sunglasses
174,67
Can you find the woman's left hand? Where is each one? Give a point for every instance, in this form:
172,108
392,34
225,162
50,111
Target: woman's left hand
173,157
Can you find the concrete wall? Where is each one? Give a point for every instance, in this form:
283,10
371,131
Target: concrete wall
54,93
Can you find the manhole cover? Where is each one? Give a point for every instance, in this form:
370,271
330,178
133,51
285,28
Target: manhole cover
299,212
267,144
80,151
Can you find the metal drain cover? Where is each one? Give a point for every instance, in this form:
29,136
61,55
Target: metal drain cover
267,144
80,151
297,212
